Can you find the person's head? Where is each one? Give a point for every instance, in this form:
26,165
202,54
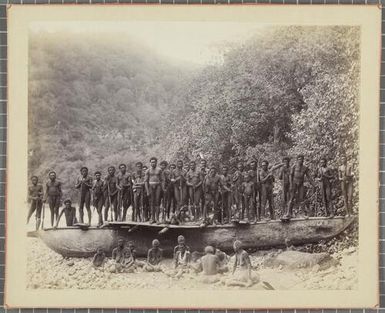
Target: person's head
286,161
153,162
253,165
209,250
344,159
187,167
172,166
265,165
98,175
300,159
52,175
163,165
193,165
179,164
213,170
68,203
247,177
131,245
181,240
323,162
240,166
121,242
34,180
145,168
203,163
237,245
139,166
84,171
225,169
155,243
99,250
122,168
111,170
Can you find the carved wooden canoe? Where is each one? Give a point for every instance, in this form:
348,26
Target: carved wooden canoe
83,242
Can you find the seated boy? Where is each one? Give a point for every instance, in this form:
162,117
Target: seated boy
99,258
154,257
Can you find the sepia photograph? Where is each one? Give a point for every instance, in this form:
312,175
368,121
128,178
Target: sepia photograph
190,155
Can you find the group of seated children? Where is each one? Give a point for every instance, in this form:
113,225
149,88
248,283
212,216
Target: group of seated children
211,264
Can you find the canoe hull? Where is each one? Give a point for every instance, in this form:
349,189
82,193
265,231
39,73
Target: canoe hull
76,242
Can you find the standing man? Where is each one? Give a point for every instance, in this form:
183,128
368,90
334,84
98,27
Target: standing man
226,193
111,189
204,171
178,178
138,191
146,200
98,196
253,173
284,176
248,197
164,196
53,195
171,200
154,182
345,175
237,181
297,178
194,185
125,192
211,188
84,184
35,195
324,176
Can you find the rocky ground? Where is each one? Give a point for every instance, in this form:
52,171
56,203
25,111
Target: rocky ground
292,268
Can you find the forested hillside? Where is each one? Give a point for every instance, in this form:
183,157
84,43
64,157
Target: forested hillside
95,102
99,102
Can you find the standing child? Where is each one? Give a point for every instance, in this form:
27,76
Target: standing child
98,196
35,194
70,214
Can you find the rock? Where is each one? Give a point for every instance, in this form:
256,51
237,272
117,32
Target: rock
70,263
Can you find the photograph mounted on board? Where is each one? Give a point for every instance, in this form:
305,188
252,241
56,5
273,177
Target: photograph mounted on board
184,150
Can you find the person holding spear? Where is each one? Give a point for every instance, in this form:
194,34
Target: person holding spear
111,189
194,180
35,195
125,192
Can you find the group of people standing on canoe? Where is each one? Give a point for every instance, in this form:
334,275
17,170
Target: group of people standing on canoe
212,263
176,193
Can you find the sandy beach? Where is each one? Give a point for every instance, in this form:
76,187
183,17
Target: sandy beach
289,269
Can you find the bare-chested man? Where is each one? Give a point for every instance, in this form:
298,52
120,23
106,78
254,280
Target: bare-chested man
237,181
178,178
204,172
194,185
154,182
125,192
146,201
226,193
138,181
324,176
248,193
253,172
164,196
154,257
111,190
53,195
69,212
242,265
284,176
35,196
345,175
98,196
122,257
211,187
170,187
266,179
297,178
84,184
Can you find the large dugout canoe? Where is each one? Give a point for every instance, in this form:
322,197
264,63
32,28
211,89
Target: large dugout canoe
78,242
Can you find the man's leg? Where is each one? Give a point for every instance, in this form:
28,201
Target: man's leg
114,206
301,197
32,209
197,198
106,208
81,208
99,209
39,206
51,204
217,211
158,192
125,203
263,201
271,202
88,206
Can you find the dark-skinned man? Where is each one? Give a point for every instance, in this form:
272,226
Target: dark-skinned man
284,176
111,190
297,178
138,188
211,187
53,196
178,178
98,196
194,184
35,196
154,182
237,180
84,184
226,193
324,176
253,173
345,176
125,192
